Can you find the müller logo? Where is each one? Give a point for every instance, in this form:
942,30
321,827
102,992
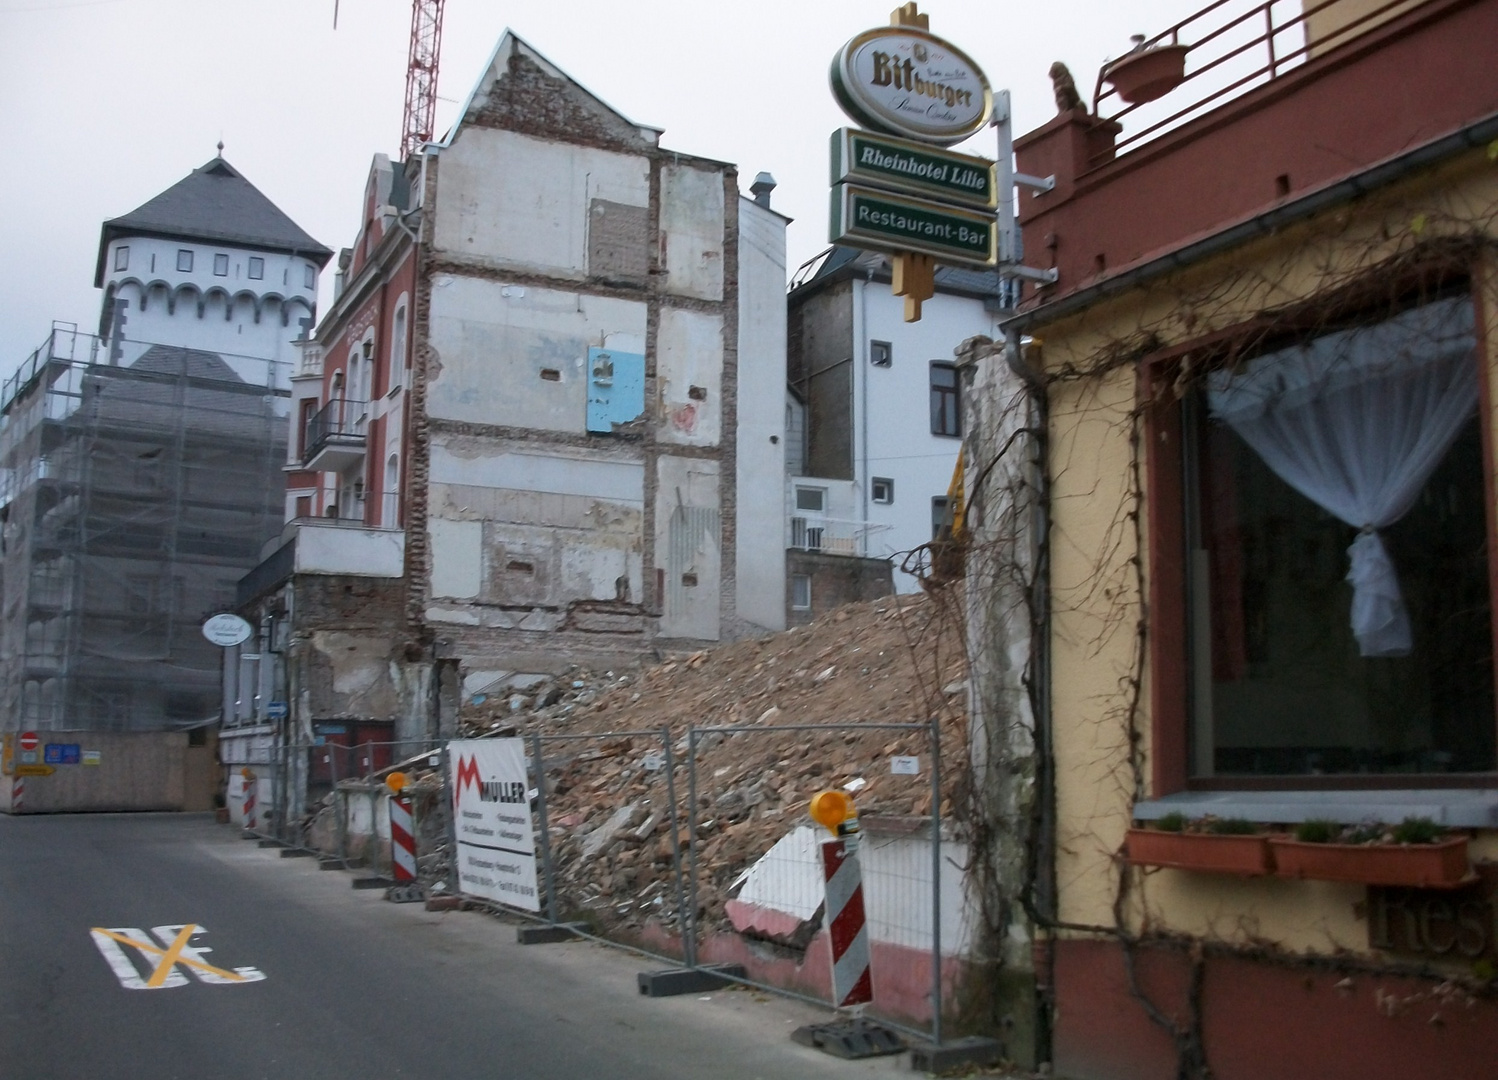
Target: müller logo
906,81
499,791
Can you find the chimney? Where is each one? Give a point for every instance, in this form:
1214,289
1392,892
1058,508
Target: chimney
763,184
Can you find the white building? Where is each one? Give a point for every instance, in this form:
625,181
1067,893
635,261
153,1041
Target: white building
208,264
875,422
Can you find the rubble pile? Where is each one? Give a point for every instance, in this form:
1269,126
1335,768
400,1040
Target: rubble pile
894,660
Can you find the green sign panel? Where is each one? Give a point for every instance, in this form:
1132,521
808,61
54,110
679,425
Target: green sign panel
898,223
887,162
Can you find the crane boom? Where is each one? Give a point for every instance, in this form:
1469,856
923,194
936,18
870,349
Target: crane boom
421,75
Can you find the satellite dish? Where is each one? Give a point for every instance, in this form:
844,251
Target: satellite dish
226,630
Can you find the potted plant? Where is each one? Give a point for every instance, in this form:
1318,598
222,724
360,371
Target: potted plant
1416,853
1145,73
1212,845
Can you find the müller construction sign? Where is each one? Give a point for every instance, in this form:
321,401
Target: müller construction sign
492,816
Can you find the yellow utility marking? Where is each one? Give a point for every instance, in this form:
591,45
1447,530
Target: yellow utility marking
170,957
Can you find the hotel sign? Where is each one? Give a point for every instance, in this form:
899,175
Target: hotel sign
884,161
903,80
866,218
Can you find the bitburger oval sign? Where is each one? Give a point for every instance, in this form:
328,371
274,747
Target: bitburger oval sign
909,82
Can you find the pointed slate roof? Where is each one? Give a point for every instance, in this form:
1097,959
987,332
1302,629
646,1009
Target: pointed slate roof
213,202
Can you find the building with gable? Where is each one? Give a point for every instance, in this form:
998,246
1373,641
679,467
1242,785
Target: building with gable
541,423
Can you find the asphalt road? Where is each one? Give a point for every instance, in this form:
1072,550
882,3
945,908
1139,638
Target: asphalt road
352,986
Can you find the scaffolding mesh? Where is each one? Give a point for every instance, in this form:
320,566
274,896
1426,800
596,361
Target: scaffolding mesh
134,495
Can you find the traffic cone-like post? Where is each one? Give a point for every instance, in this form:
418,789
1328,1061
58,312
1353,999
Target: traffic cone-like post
17,794
251,811
406,890
848,938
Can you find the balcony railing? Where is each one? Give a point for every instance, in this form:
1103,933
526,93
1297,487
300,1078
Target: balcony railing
833,536
335,435
1234,46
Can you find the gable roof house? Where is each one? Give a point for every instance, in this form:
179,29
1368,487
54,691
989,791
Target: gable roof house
541,423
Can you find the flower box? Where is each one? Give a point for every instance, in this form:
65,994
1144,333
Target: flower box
1421,866
1147,74
1213,853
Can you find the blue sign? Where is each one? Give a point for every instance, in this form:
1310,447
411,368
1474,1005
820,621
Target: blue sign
276,710
62,753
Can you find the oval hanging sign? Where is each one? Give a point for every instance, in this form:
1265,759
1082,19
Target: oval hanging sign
905,81
226,630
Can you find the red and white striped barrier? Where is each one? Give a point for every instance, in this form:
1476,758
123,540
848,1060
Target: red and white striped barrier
17,794
852,983
251,811
402,839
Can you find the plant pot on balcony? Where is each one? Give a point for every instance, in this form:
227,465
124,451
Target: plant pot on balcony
1441,865
1212,853
1148,73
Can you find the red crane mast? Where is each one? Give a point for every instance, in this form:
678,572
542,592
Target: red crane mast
421,75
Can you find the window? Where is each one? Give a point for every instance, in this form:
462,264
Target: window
309,276
304,506
221,265
882,490
1334,579
800,592
813,499
881,353
946,404
309,410
257,268
397,348
184,260
122,257
939,518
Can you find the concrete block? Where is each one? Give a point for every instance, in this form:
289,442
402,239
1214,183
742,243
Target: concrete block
296,853
371,883
674,981
548,935
954,1053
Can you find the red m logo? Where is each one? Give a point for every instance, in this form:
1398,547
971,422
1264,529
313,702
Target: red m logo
468,773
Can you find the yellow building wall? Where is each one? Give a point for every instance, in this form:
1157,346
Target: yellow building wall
1333,24
1098,468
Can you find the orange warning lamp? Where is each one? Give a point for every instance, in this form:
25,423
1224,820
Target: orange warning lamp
396,781
830,809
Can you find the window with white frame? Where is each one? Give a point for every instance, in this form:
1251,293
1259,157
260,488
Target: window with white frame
800,592
397,348
882,490
811,499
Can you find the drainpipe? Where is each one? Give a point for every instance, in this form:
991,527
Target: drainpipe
860,365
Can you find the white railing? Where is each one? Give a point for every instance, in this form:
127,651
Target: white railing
832,536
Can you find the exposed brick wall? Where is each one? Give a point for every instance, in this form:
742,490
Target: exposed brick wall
835,580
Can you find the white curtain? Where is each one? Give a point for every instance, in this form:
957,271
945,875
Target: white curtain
1356,421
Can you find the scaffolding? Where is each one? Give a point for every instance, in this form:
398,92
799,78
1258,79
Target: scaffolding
136,489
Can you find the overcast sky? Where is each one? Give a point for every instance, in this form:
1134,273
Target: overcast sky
106,103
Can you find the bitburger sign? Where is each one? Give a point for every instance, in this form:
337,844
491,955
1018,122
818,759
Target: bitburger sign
905,81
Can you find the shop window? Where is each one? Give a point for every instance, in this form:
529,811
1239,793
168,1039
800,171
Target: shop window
1334,573
946,402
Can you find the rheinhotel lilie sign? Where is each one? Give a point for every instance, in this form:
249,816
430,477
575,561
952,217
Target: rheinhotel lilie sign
894,187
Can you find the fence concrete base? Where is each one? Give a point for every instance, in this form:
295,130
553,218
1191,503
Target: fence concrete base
548,935
674,981
850,1039
371,883
972,1050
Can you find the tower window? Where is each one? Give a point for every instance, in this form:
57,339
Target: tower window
122,257
257,268
309,276
184,260
221,265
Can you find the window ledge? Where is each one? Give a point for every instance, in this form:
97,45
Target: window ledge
1462,808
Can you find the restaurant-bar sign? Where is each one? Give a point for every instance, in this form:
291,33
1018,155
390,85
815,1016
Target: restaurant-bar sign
900,223
906,81
884,161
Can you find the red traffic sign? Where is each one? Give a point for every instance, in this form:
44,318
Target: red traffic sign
29,740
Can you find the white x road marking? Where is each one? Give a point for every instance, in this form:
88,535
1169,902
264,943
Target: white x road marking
162,961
